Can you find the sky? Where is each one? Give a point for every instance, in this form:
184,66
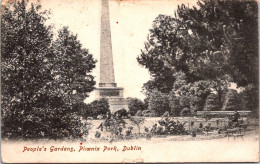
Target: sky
130,21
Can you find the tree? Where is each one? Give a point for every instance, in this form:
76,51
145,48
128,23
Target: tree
162,83
71,68
163,55
210,42
217,29
138,121
158,102
35,102
221,40
232,101
25,40
135,104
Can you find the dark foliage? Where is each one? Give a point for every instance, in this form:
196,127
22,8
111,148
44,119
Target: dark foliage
41,85
97,107
212,103
122,113
207,47
134,105
232,101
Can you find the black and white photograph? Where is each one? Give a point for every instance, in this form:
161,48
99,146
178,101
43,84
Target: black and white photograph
127,81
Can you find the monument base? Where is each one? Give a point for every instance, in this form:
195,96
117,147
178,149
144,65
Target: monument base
115,97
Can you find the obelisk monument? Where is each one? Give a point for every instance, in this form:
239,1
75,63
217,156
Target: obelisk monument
107,86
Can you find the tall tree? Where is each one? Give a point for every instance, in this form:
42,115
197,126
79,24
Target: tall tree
210,42
163,53
34,101
25,41
71,67
226,37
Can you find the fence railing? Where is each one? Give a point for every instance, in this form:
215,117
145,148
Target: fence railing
224,113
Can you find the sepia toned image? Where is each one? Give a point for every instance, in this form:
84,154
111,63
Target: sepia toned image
129,81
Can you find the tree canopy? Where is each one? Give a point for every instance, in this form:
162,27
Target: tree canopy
217,40
205,47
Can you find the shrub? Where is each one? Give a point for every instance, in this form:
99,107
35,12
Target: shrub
174,103
185,112
97,107
158,102
148,113
122,113
134,105
212,103
232,101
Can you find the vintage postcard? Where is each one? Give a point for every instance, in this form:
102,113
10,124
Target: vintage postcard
129,81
